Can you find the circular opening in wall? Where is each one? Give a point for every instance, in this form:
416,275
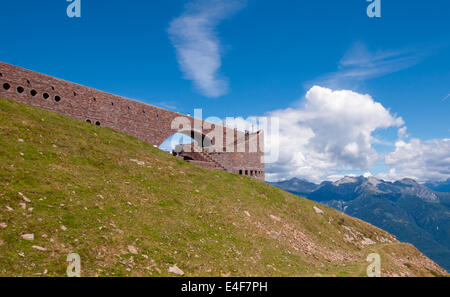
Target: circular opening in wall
97,123
33,93
45,95
88,121
57,98
20,89
6,86
95,99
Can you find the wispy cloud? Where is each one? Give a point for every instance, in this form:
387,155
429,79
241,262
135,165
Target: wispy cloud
359,64
197,44
446,97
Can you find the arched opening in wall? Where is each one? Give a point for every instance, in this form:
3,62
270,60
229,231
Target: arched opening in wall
240,172
45,95
186,142
174,143
1,74
57,98
246,172
20,89
88,121
6,86
97,123
33,93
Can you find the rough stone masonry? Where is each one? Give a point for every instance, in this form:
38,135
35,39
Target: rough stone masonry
145,122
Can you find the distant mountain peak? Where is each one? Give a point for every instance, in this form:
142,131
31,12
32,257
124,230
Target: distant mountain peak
408,181
346,180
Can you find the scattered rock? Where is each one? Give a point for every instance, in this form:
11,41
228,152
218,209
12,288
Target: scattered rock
24,197
132,250
247,213
176,270
20,140
21,254
3,225
39,248
348,238
140,163
275,218
29,237
23,205
367,241
64,228
318,210
10,209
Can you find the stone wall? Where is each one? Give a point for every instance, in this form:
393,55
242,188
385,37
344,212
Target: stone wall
146,122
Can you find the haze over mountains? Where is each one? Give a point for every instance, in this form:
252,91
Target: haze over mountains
415,213
439,186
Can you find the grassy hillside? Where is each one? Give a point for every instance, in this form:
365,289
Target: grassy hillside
128,208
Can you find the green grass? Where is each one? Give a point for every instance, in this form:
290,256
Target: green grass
81,176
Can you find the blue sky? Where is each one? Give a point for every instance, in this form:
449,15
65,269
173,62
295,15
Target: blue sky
258,57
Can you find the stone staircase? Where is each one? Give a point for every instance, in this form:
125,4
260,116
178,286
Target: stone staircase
209,158
202,159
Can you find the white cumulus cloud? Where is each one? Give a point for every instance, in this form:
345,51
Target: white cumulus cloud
197,45
420,160
331,132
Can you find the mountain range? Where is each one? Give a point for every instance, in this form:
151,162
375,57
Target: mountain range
413,212
439,186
